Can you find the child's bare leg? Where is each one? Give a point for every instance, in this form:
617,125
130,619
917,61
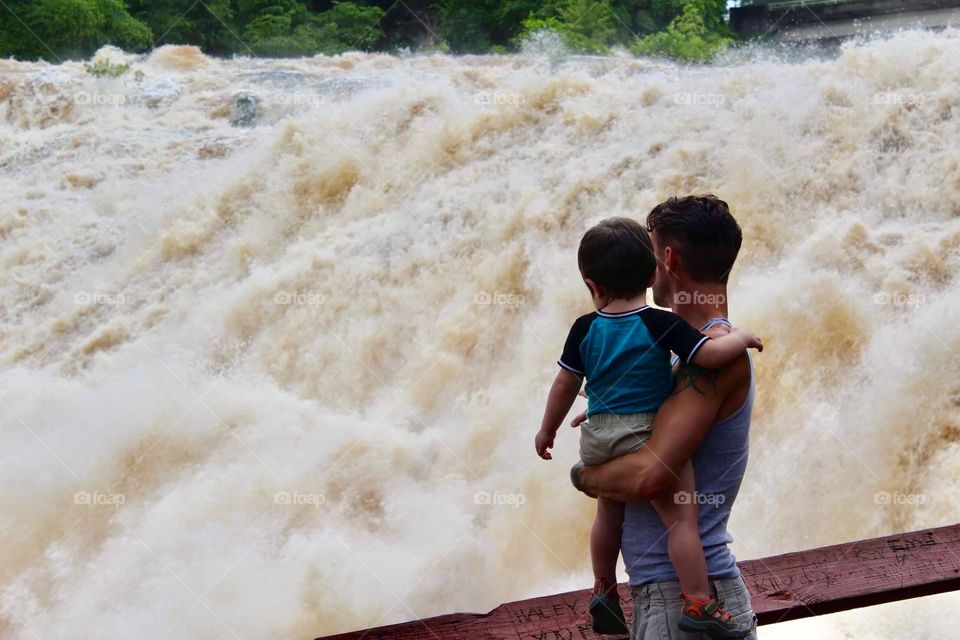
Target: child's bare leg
683,536
605,543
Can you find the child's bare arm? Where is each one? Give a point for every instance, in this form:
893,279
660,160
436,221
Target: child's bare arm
562,394
721,351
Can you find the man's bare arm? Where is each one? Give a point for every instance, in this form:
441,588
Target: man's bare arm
681,424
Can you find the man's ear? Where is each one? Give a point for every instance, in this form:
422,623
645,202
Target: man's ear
669,259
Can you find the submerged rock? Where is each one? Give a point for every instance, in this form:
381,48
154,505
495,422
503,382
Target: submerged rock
245,110
345,87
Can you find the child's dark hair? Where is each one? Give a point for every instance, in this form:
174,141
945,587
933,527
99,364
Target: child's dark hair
617,255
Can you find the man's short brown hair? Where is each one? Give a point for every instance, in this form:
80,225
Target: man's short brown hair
617,255
703,231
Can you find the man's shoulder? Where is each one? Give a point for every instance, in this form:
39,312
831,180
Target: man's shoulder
725,389
736,382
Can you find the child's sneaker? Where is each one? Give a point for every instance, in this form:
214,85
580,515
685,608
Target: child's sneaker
607,614
709,617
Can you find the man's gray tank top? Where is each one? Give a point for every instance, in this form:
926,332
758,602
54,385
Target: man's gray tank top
719,464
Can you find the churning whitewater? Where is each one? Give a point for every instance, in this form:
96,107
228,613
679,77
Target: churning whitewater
276,334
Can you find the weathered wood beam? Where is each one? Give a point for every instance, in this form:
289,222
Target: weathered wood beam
786,587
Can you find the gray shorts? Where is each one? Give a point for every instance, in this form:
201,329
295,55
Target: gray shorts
605,436
656,609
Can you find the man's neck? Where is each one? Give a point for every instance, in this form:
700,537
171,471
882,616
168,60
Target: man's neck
700,302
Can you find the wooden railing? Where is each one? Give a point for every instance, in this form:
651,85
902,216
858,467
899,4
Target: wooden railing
785,587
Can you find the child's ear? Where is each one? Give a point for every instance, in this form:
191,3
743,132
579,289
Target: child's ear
595,290
653,278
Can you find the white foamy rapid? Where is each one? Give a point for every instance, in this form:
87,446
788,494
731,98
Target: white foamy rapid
283,380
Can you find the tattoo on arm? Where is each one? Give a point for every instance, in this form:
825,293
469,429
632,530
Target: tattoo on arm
703,381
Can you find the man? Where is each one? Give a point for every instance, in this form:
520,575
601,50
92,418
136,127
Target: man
696,241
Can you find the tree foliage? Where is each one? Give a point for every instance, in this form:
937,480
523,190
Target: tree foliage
691,30
56,29
206,24
693,36
295,31
587,26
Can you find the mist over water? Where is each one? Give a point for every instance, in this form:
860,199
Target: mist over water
282,380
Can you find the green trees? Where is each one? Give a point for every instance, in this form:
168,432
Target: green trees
55,29
587,26
293,30
355,27
690,30
696,35
281,32
207,24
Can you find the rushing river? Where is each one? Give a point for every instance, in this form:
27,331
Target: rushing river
276,334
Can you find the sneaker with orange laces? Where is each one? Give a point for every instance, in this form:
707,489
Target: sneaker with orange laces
709,617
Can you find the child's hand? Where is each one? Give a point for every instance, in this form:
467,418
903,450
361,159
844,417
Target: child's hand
544,442
749,340
580,419
720,329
